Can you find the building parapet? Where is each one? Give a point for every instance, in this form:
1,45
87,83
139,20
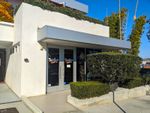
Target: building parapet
6,34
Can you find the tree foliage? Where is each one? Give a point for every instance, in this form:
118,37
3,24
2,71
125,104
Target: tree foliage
6,11
114,23
113,67
136,33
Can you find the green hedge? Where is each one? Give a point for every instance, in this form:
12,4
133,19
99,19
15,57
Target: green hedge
84,90
146,80
65,10
113,67
136,82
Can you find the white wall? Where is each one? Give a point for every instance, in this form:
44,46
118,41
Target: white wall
13,75
44,17
13,69
27,21
6,32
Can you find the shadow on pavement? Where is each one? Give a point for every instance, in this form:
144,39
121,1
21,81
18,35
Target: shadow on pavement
117,104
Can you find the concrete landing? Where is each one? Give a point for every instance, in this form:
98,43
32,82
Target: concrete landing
7,95
55,102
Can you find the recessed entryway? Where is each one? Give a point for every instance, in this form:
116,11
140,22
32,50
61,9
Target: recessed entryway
2,64
61,67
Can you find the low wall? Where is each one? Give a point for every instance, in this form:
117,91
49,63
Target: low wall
119,94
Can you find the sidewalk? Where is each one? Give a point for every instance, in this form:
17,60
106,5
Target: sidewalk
8,99
7,95
137,105
54,103
57,103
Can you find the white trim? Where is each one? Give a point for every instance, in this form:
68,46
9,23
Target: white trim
7,23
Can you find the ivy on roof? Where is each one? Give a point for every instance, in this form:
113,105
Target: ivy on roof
44,4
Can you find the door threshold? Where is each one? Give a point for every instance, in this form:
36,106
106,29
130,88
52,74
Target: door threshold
58,88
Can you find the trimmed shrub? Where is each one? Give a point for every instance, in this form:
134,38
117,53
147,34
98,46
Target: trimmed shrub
44,4
82,90
113,67
146,80
136,82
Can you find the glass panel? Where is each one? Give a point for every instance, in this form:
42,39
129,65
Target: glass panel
53,67
81,58
68,66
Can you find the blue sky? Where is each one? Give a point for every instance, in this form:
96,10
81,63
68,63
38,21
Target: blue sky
101,8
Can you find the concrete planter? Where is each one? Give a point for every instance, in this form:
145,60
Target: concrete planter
137,92
119,94
87,102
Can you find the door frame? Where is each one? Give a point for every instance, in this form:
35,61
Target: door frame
61,85
3,51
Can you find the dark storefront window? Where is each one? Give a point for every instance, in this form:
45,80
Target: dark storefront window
53,67
68,66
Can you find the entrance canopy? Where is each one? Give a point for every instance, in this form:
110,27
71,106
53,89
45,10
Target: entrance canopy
65,37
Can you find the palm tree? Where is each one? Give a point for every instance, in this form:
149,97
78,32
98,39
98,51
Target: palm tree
6,11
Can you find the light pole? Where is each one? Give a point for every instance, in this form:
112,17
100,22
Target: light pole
136,9
120,21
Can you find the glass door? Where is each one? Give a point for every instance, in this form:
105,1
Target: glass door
68,66
53,67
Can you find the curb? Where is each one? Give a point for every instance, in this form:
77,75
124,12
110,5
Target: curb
29,104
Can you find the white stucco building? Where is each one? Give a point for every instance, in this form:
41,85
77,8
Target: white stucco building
41,51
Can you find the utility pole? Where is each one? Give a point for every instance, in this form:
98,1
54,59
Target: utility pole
136,9
120,22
